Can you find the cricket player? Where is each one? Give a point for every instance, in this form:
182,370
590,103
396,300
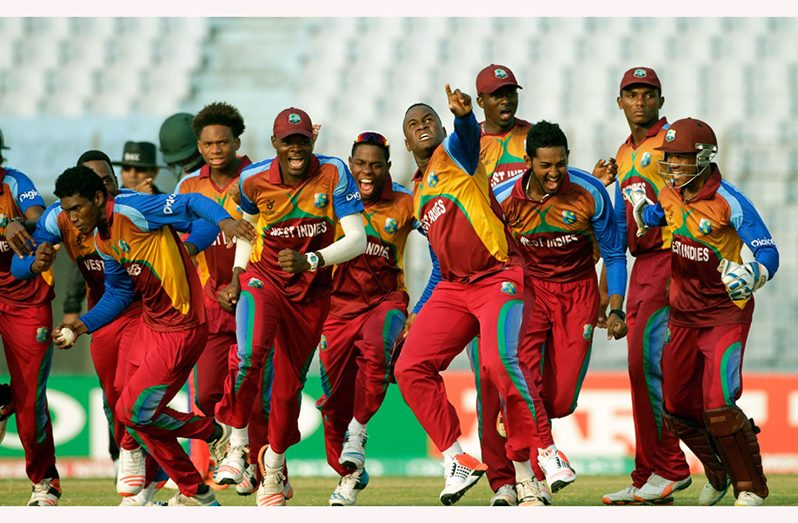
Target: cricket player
25,324
660,466
711,299
281,285
142,252
482,293
367,315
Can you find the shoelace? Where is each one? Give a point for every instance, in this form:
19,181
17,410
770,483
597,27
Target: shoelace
42,487
133,463
276,479
528,489
458,471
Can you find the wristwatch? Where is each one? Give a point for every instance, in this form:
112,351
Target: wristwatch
315,260
619,313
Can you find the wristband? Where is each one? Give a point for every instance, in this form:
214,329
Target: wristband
619,313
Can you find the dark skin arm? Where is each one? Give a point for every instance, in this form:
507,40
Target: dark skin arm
77,327
228,297
45,256
18,233
292,261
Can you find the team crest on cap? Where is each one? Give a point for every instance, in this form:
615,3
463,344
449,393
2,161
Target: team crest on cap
670,135
432,179
294,118
3,221
323,343
640,73
255,283
645,160
500,73
569,217
705,226
391,225
320,200
508,287
587,332
41,334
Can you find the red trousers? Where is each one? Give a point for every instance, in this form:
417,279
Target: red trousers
656,449
29,354
157,369
276,339
702,368
355,359
492,308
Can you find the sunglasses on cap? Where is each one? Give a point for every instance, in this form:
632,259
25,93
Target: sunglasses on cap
372,138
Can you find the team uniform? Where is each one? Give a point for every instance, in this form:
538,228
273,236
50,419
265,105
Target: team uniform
142,252
279,316
503,157
481,294
707,331
25,324
657,451
368,310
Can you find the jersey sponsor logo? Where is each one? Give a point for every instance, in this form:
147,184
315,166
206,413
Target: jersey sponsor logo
42,333
705,226
134,269
255,283
391,225
437,210
587,332
691,252
761,242
353,196
550,243
509,287
432,179
170,200
568,217
375,249
645,161
3,221
30,195
321,200
305,230
93,265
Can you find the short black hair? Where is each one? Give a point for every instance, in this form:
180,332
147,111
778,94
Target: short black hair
421,104
93,155
544,134
219,113
386,152
79,180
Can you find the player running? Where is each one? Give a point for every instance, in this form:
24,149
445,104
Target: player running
711,299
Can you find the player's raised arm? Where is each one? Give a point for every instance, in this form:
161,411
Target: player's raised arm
463,144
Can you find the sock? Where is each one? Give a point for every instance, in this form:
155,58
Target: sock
356,426
239,438
454,450
272,459
523,471
203,489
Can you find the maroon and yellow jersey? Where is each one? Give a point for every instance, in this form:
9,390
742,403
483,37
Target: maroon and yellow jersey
17,194
503,157
301,218
215,264
637,167
458,211
710,227
365,281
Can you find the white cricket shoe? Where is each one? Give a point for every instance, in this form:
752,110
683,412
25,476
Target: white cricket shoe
529,494
45,493
657,489
625,496
545,492
555,466
505,496
460,474
130,477
272,489
748,499
218,447
345,494
709,496
230,470
199,500
353,453
249,481
145,498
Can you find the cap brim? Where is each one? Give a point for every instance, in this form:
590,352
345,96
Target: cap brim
500,86
177,157
647,84
304,133
139,164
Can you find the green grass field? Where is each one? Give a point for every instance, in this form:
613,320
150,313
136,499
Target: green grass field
586,491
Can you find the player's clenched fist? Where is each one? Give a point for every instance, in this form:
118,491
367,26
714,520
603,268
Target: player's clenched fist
44,257
292,261
228,297
459,102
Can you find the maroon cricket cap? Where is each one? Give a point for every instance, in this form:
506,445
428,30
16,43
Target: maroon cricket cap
640,75
292,121
494,77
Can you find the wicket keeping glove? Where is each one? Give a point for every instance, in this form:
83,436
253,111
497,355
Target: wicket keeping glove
639,201
742,280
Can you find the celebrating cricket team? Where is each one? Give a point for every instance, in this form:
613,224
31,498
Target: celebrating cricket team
237,280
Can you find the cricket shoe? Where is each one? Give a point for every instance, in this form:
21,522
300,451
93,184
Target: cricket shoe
625,496
272,489
130,477
748,499
145,498
460,474
529,494
345,494
656,488
709,495
45,493
545,492
353,453
505,496
231,469
249,485
555,466
218,447
198,500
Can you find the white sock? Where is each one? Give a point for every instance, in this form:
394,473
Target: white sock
272,459
454,450
356,426
523,471
239,437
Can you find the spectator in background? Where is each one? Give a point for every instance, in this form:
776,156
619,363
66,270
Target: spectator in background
139,167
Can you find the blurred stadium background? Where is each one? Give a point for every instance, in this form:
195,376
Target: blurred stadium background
70,84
